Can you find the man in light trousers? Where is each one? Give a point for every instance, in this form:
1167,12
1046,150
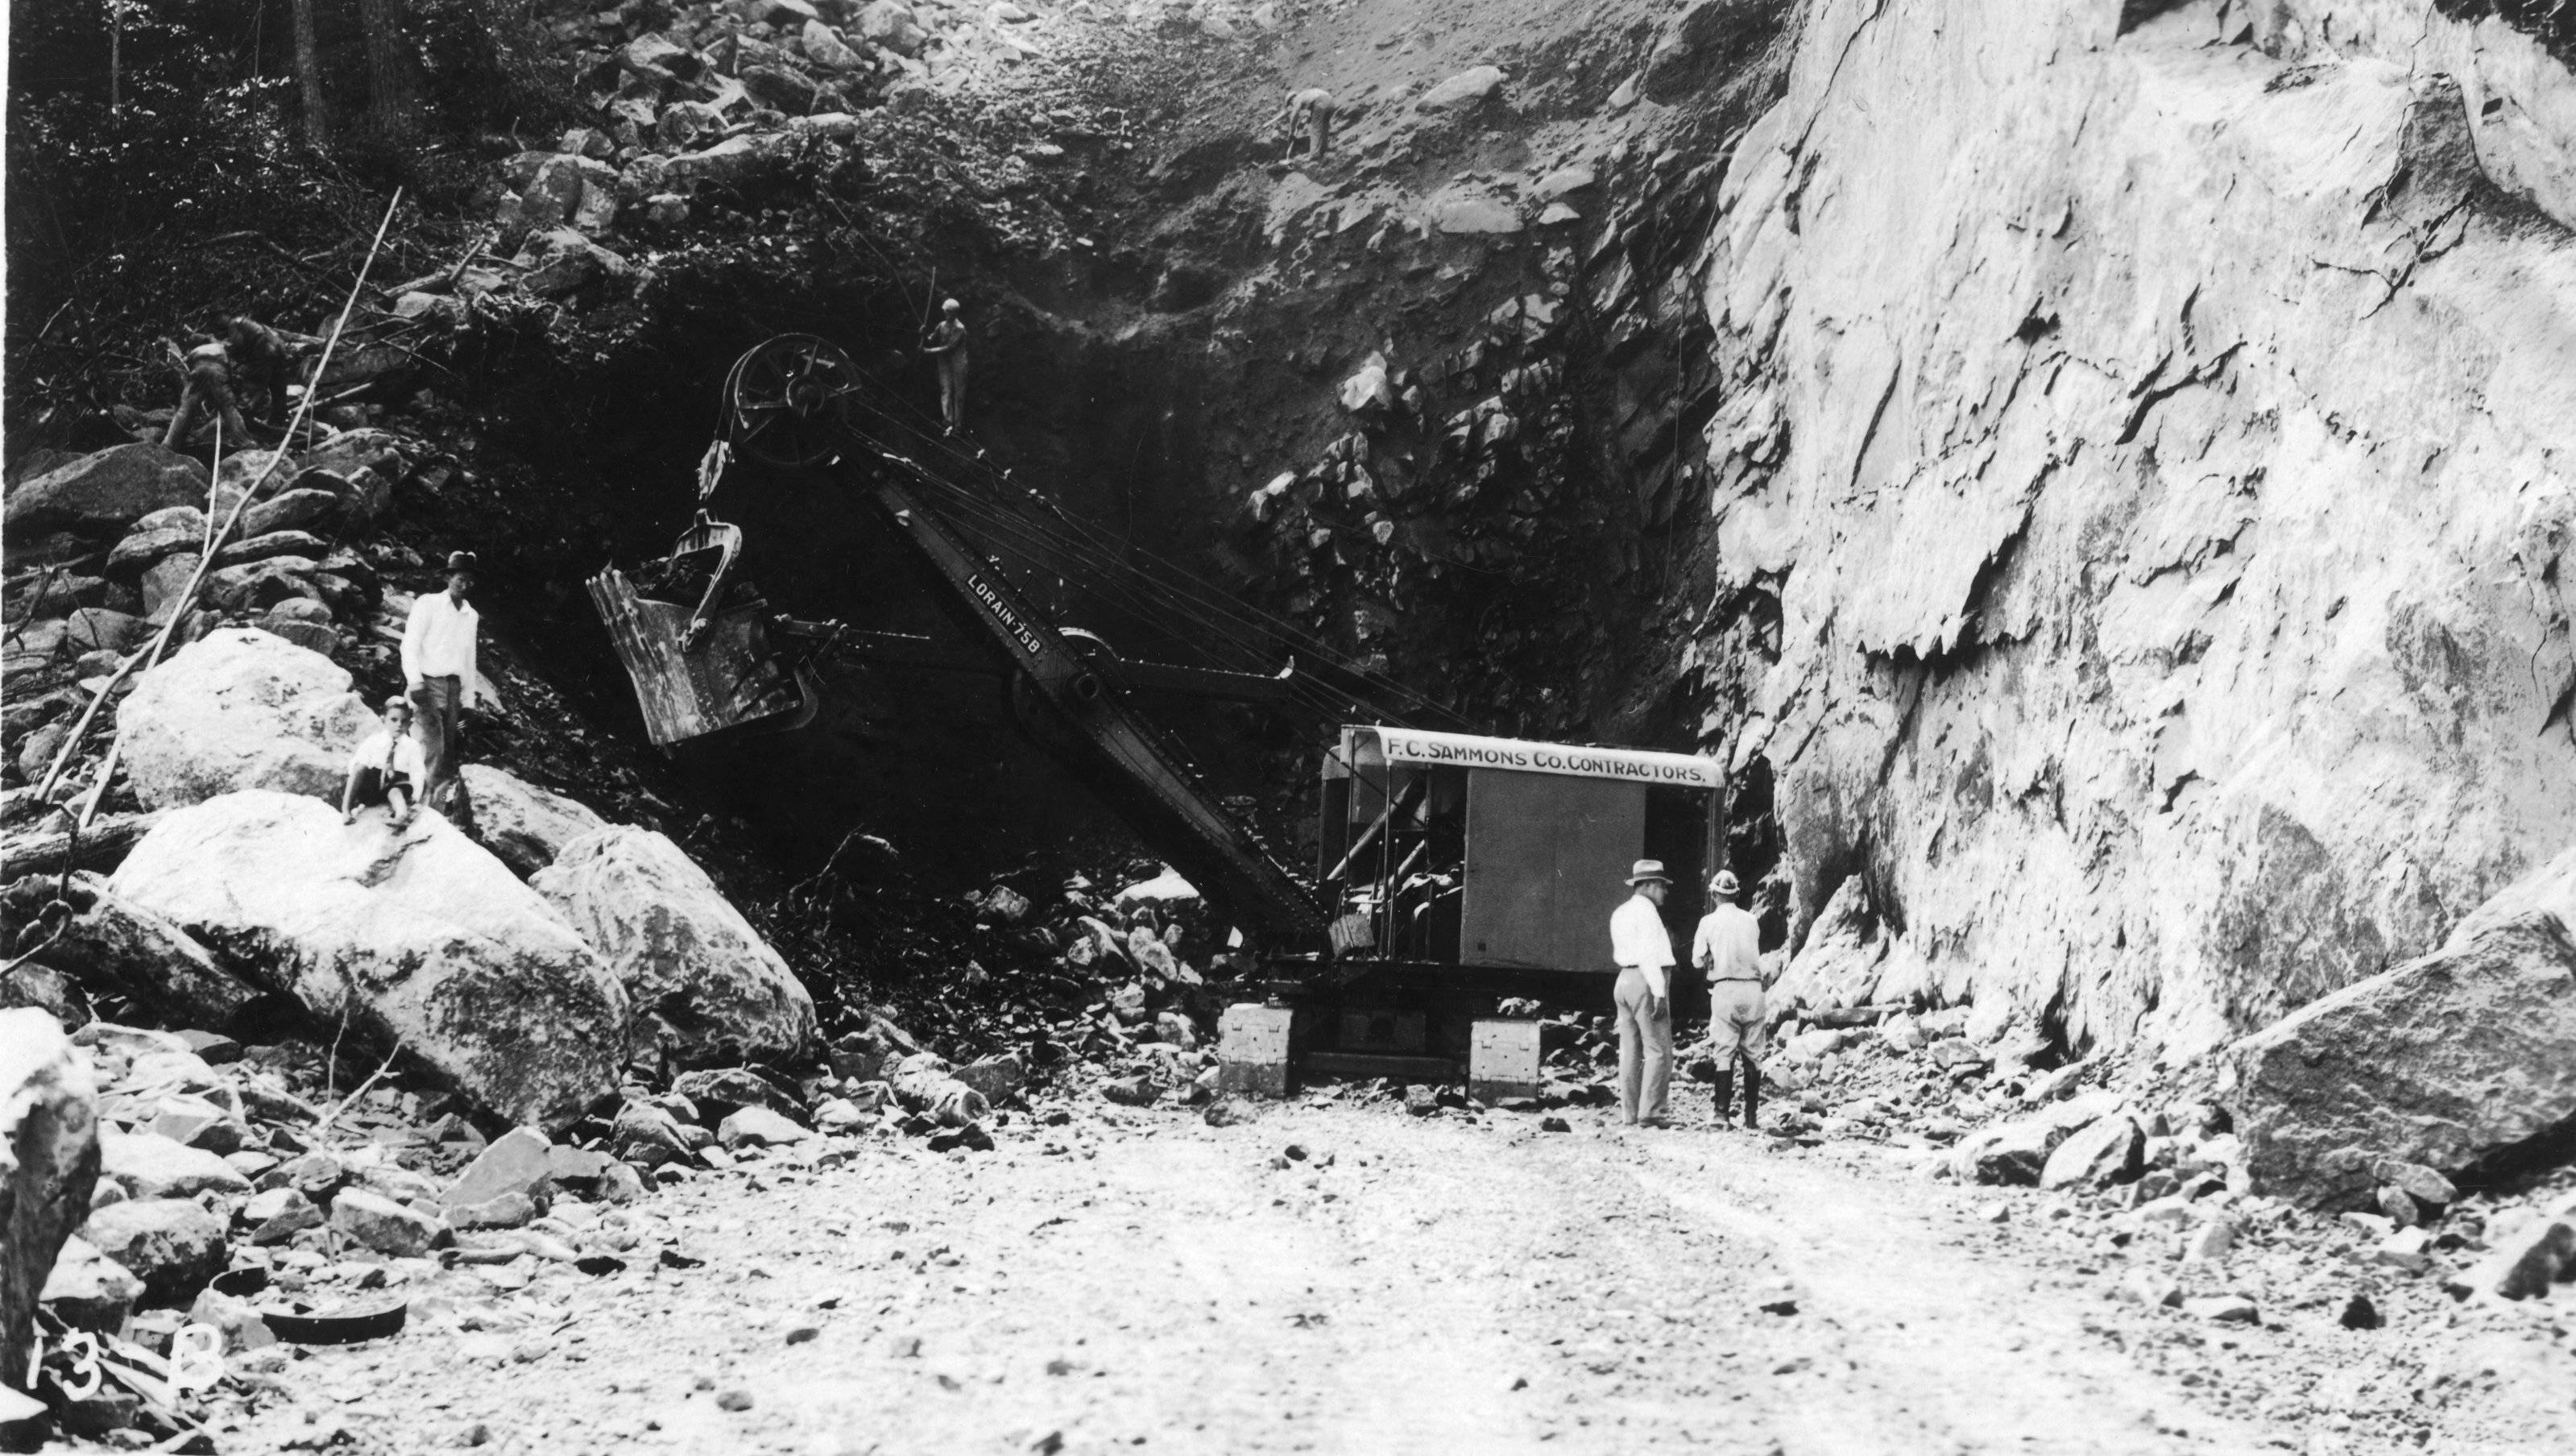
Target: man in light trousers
1729,948
1644,951
438,666
948,347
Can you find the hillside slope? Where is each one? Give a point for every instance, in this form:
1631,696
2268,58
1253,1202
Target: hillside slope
2134,436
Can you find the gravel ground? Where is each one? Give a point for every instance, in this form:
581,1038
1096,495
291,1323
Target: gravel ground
1139,1279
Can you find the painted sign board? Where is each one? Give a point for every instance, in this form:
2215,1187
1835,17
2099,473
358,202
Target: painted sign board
1630,765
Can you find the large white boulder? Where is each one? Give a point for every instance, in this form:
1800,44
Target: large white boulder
1369,388
1166,891
48,1163
825,48
727,162
173,1245
1469,208
102,493
1462,91
2451,1060
148,1165
701,980
526,826
2018,1151
420,936
109,944
241,709
892,25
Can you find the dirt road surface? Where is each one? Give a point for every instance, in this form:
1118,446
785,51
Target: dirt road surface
1141,1281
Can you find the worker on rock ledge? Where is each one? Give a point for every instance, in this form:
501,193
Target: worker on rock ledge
438,647
948,345
1644,951
1311,111
1729,948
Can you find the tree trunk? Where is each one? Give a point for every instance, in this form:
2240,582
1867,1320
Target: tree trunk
308,79
393,92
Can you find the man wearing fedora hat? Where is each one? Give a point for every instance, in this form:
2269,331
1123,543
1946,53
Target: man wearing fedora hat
1729,948
438,667
1644,951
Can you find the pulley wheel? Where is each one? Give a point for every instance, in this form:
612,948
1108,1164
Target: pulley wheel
788,400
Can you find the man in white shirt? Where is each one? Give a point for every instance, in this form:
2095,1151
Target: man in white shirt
438,667
385,769
1644,951
1729,947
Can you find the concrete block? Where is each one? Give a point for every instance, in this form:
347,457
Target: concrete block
1502,1060
1253,1048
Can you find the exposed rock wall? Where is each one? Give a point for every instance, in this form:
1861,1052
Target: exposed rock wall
2159,454
2510,58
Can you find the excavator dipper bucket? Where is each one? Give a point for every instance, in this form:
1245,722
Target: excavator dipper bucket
726,676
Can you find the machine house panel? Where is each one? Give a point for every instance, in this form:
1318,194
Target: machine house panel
1544,857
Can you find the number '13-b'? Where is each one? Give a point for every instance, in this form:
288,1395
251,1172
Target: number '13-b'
196,1361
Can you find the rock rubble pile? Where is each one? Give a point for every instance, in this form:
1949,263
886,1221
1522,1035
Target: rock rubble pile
1117,991
729,96
246,1190
1471,458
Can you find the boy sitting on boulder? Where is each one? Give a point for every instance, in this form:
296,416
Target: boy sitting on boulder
386,769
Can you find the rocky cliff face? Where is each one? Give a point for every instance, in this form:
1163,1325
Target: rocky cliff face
2154,433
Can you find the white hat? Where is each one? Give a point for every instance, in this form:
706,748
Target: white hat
1648,869
1725,883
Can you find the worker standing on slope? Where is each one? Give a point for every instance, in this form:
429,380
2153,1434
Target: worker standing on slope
266,357
1729,948
948,345
1644,951
1312,111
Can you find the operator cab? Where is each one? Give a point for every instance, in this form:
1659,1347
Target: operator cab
1497,854
1464,869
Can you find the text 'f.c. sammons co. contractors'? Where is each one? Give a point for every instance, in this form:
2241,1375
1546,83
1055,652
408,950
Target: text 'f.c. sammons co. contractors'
1463,750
